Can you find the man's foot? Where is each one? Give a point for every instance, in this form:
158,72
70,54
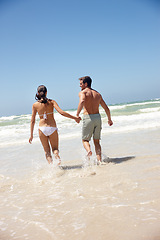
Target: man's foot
89,154
101,163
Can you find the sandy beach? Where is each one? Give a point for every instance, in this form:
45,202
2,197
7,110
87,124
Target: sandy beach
119,200
80,200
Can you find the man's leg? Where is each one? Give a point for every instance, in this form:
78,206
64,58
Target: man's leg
98,149
87,147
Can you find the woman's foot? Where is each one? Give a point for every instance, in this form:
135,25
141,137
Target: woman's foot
56,154
59,162
50,160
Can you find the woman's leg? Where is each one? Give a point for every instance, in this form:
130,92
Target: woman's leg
46,147
53,138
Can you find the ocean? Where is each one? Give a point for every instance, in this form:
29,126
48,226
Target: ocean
119,200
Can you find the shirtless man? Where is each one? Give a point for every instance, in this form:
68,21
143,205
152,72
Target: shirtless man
89,100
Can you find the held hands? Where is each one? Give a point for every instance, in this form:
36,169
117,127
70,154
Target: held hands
78,119
110,123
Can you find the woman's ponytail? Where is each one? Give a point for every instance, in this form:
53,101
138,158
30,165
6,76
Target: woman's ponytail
41,94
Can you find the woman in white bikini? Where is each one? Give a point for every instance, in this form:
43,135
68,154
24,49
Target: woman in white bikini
47,126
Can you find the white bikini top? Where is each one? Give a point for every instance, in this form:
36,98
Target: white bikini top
45,115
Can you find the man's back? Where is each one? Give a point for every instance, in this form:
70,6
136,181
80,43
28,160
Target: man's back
89,100
92,101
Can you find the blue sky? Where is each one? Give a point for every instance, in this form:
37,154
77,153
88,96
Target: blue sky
54,42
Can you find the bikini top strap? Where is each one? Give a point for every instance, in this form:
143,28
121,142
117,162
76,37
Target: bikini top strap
46,113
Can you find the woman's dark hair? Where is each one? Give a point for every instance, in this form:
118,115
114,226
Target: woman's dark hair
41,94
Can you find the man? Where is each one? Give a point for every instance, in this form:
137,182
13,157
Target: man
89,100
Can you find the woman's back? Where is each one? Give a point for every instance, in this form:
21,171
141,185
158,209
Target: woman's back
46,113
48,133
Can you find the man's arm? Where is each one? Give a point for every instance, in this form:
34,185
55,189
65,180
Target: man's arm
106,109
81,102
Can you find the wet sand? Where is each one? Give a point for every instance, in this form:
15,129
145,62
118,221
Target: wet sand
116,201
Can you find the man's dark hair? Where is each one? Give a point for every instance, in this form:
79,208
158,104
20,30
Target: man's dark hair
87,80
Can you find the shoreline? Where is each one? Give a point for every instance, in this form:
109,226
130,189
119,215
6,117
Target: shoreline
90,202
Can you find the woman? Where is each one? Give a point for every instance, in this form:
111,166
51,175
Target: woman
48,133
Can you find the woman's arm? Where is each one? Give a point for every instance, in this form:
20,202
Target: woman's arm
65,114
34,111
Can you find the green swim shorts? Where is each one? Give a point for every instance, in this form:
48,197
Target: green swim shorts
92,125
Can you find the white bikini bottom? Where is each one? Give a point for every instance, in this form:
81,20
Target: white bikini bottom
47,131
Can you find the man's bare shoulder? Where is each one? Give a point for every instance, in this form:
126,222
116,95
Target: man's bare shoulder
87,90
96,93
82,92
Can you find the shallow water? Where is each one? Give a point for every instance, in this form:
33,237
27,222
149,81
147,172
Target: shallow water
80,200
